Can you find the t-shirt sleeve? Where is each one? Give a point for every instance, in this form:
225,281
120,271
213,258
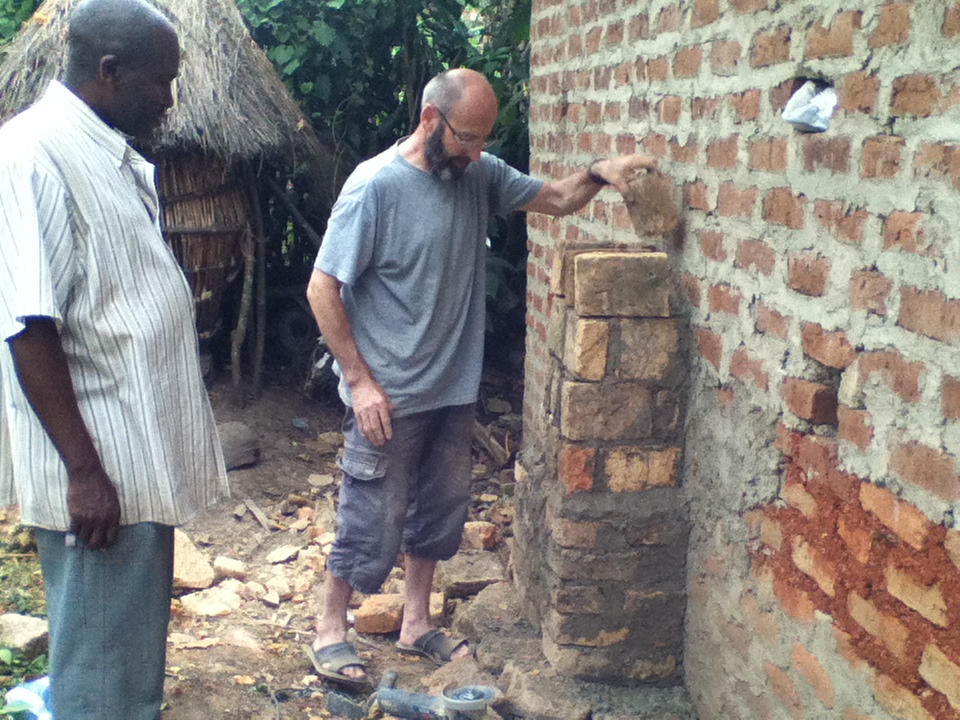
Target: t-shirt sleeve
349,241
509,188
37,253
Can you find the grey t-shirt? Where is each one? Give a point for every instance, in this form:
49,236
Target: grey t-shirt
410,250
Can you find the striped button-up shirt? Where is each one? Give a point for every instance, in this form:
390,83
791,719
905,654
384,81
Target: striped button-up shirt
80,243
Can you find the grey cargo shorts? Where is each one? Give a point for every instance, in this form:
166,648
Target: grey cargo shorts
409,495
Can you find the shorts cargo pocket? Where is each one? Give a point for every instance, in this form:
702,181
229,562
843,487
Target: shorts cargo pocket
362,463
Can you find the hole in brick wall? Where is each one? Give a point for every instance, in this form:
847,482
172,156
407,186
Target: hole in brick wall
818,372
824,397
811,104
819,82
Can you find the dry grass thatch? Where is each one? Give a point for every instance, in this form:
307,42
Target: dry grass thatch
230,100
205,215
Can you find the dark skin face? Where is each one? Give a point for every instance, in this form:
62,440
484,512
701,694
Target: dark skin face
135,96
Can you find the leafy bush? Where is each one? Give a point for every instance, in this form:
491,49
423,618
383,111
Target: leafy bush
13,13
16,669
358,68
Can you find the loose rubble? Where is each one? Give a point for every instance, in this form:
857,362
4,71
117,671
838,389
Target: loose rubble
23,634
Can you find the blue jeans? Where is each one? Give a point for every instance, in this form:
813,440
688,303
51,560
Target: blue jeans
410,494
108,613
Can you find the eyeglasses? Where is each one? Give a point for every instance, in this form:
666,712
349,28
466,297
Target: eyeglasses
467,142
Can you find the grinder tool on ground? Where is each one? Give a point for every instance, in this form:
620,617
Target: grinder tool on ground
468,702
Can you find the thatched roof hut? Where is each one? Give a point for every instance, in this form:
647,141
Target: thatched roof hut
231,103
232,114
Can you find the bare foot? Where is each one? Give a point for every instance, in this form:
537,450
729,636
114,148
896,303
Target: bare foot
463,651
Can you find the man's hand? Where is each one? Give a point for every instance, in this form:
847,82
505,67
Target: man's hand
371,405
372,408
92,502
618,171
94,508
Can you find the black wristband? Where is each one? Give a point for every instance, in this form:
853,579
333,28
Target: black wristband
593,175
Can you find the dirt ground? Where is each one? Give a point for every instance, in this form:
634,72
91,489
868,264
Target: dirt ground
250,663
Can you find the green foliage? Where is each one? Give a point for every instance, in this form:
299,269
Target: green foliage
354,64
21,583
16,669
21,591
13,13
358,68
14,710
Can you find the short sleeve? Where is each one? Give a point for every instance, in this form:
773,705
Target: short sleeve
349,242
510,188
37,254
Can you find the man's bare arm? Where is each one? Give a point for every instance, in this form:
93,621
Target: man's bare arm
42,370
370,403
569,194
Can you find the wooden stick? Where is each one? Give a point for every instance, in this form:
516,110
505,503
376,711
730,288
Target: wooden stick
260,284
240,331
260,515
298,218
497,452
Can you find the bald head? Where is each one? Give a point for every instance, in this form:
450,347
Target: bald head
447,89
457,116
128,30
123,57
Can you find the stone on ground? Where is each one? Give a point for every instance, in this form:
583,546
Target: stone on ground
496,608
228,567
279,585
467,573
479,535
379,614
283,554
332,437
497,629
240,444
25,635
457,673
321,480
438,607
191,569
242,638
251,590
213,602
542,696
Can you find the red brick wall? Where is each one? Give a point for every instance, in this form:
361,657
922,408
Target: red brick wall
822,276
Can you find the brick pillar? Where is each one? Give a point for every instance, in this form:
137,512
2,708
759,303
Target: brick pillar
601,530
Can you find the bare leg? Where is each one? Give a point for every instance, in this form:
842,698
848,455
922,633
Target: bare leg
332,624
418,582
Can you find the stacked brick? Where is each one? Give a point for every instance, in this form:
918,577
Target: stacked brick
611,562
822,280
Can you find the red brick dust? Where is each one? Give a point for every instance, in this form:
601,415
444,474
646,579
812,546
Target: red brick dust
918,552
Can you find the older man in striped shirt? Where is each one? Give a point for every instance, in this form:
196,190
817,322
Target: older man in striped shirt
106,436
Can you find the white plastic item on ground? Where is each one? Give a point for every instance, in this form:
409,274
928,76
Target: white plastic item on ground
31,698
811,109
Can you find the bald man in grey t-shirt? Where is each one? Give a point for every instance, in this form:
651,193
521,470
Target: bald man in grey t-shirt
398,292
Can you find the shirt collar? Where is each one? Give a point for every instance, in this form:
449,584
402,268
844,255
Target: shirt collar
68,103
